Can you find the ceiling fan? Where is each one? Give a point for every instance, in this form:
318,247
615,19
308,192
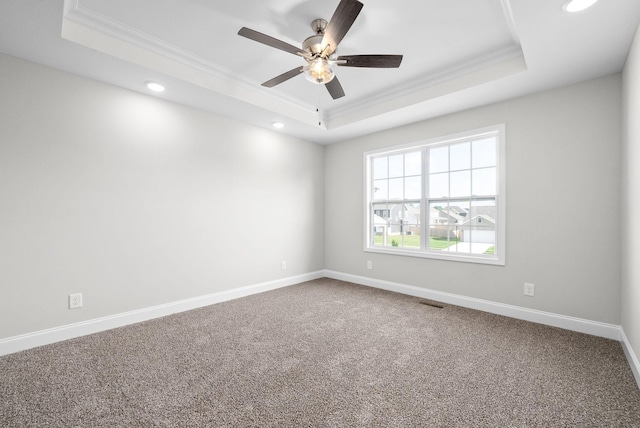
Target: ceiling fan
319,50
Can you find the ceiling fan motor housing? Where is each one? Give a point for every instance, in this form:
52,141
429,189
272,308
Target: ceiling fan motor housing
313,44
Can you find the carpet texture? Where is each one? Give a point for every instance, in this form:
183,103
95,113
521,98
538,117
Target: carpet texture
323,353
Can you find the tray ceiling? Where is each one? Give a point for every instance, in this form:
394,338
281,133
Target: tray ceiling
457,55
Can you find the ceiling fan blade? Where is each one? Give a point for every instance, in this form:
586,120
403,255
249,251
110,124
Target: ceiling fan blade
335,88
373,61
283,77
269,41
341,21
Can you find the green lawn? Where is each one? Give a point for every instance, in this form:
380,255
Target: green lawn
440,243
413,241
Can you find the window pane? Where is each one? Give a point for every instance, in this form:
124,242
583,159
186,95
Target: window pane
482,241
480,230
394,230
413,163
410,215
381,210
483,206
484,152
380,190
484,181
439,159
460,183
381,236
440,236
437,213
395,188
396,166
482,227
379,222
439,185
407,232
411,237
458,211
412,187
396,213
380,168
413,217
460,156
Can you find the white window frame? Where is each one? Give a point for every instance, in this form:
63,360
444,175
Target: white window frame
500,199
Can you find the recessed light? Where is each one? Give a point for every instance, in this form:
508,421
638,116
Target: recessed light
278,125
155,86
578,5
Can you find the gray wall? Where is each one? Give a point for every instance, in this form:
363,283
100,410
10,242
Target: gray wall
563,204
631,198
134,201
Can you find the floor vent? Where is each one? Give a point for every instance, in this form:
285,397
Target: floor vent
435,305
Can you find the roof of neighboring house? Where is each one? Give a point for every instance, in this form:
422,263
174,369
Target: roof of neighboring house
379,221
488,210
451,214
415,212
486,221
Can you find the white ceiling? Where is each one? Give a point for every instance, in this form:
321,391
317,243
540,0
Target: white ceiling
458,54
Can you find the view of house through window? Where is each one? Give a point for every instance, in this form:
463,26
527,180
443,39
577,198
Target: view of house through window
438,199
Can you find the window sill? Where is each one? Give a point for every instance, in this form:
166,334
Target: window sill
438,255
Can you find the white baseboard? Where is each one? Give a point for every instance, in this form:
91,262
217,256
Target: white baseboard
70,331
595,328
43,337
631,356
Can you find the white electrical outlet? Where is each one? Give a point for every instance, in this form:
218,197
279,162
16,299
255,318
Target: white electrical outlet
369,264
529,289
283,265
75,301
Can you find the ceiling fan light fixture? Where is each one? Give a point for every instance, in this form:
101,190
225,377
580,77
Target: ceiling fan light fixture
319,71
578,5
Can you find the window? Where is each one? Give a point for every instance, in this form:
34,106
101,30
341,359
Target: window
441,198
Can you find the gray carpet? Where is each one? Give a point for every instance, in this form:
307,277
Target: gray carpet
323,353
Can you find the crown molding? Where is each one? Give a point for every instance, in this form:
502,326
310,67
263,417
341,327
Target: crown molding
472,72
94,30
483,68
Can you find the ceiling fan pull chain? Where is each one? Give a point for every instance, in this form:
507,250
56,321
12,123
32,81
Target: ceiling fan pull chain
318,108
